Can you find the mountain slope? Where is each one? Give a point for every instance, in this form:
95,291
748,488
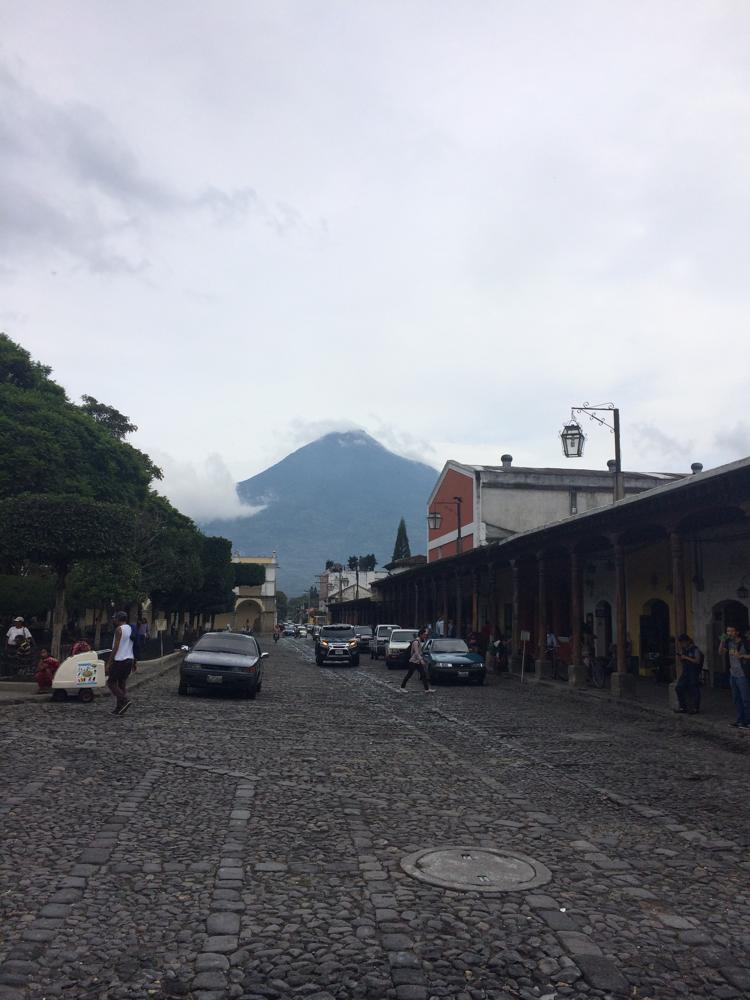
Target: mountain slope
341,495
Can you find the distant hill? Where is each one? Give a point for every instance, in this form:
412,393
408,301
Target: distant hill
341,495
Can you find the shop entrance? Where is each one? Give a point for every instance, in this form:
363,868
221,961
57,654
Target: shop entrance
602,629
656,653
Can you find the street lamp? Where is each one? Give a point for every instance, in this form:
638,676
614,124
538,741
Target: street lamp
434,518
573,438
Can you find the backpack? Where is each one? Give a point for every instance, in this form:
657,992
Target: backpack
137,642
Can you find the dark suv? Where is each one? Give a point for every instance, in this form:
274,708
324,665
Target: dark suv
335,644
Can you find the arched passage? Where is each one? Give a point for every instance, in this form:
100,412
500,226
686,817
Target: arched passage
654,637
247,614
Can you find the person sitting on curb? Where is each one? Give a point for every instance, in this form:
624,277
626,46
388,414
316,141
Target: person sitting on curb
688,687
45,671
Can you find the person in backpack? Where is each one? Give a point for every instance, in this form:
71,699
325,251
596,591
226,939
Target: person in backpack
418,663
688,687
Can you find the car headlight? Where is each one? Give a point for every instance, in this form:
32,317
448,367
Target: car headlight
323,642
352,644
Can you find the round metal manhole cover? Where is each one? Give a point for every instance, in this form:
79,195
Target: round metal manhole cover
476,869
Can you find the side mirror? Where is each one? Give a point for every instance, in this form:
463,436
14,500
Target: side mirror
185,649
263,656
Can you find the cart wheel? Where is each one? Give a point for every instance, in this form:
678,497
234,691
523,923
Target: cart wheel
85,696
59,695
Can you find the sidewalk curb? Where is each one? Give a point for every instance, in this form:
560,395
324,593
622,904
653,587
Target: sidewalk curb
665,713
155,668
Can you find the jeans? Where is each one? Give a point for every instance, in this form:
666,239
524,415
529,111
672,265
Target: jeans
741,696
688,689
422,675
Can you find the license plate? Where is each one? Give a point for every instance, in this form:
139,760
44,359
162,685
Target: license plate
215,679
463,673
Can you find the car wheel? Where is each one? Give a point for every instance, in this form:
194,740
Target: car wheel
86,696
183,688
260,686
251,692
319,661
479,681
59,695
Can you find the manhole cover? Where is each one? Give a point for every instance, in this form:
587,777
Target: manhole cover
476,869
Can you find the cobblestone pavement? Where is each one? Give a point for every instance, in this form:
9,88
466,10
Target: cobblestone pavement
213,847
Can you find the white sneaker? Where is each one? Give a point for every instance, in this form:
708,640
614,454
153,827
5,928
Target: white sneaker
402,690
430,691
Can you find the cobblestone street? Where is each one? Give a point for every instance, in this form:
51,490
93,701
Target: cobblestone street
213,847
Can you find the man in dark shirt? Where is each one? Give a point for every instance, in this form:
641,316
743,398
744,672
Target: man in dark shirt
688,688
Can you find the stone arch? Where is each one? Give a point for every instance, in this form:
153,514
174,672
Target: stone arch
247,614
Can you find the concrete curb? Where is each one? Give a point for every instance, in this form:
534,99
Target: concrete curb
707,725
147,671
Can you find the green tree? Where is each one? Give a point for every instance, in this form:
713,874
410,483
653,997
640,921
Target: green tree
401,549
353,564
249,574
215,594
114,422
58,531
282,606
104,585
30,596
18,370
367,563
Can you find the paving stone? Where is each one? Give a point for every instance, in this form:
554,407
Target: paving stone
578,944
602,974
220,943
223,923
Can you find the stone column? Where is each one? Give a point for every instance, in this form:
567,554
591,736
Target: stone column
543,665
678,583
458,621
576,670
417,623
514,660
622,683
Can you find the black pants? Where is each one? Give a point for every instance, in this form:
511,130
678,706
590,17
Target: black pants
416,668
688,689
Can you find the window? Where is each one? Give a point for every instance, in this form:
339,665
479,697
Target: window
573,502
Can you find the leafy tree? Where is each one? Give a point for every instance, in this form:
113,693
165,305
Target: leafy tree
105,585
58,531
401,549
329,564
353,564
367,563
114,422
30,596
249,574
215,594
17,369
282,606
169,549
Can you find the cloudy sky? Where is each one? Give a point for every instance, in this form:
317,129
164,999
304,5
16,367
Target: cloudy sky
248,222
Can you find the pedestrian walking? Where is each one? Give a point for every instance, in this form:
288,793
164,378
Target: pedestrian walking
450,629
440,627
417,663
688,686
734,646
121,664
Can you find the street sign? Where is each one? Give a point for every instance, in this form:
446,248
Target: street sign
525,636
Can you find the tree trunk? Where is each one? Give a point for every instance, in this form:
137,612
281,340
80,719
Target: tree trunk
97,628
58,615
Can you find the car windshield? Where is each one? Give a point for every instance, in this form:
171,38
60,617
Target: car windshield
449,646
337,631
363,630
226,642
403,635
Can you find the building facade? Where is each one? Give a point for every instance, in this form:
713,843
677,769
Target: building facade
499,501
254,607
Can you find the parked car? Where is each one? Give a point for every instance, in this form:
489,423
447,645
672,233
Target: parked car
399,644
289,630
229,661
380,640
302,631
364,636
337,643
451,659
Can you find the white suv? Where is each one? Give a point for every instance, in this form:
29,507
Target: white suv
380,640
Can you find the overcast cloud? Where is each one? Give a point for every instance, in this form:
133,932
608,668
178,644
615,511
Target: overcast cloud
442,222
